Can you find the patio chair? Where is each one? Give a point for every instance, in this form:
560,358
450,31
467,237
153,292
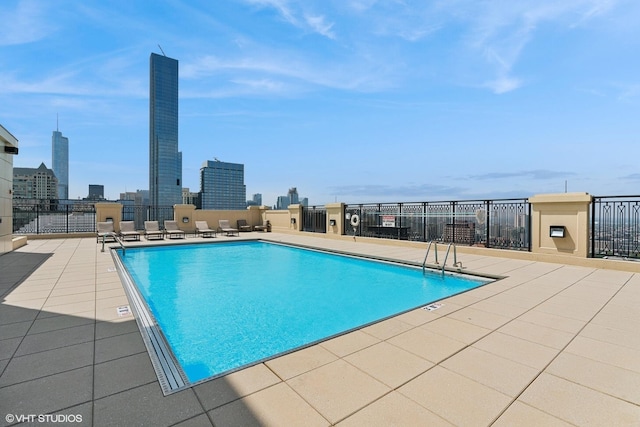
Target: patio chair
243,226
264,227
105,230
223,225
128,231
171,228
203,228
152,230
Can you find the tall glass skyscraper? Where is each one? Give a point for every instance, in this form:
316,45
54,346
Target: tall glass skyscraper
222,185
165,161
60,162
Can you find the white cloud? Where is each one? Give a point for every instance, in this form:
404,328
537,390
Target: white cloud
503,84
27,23
318,24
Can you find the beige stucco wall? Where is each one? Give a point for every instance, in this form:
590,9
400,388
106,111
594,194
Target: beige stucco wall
280,220
253,215
570,210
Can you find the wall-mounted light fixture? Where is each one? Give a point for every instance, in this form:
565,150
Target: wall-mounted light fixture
556,231
185,219
293,220
332,222
109,219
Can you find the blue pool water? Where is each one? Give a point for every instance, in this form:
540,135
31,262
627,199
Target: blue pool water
226,305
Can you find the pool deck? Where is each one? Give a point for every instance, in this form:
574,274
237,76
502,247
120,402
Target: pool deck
550,344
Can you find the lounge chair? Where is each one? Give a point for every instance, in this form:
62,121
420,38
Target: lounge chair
104,230
243,226
152,230
128,231
264,227
203,228
171,228
223,225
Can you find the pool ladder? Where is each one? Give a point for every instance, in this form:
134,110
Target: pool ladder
446,256
116,238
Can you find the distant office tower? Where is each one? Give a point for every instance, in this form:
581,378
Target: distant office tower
304,201
191,198
256,200
96,192
283,202
222,185
293,196
35,183
165,161
60,162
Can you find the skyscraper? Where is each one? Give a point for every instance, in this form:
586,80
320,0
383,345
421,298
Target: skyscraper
60,162
165,161
222,185
293,196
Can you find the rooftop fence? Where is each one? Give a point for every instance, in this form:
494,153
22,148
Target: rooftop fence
615,226
502,223
35,216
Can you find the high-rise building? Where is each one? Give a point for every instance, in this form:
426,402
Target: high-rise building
190,198
60,162
293,196
165,161
283,202
256,200
96,192
222,185
35,183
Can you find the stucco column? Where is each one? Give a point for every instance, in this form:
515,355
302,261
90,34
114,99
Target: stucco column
183,216
295,214
335,216
109,212
565,212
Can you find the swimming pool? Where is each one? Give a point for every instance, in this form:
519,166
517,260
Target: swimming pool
224,306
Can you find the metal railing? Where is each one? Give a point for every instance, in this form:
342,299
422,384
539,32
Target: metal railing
615,226
499,223
35,216
314,219
32,216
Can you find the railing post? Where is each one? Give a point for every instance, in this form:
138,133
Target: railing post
487,222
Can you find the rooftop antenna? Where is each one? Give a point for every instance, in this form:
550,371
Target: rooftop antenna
57,129
162,50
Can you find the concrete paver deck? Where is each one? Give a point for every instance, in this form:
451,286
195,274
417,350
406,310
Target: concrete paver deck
550,344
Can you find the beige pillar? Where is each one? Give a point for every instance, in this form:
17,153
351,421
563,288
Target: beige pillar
109,212
183,216
565,213
335,215
295,214
255,215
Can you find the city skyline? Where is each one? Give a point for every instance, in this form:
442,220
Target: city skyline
349,101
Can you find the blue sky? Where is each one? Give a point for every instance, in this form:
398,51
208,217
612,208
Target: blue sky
347,100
